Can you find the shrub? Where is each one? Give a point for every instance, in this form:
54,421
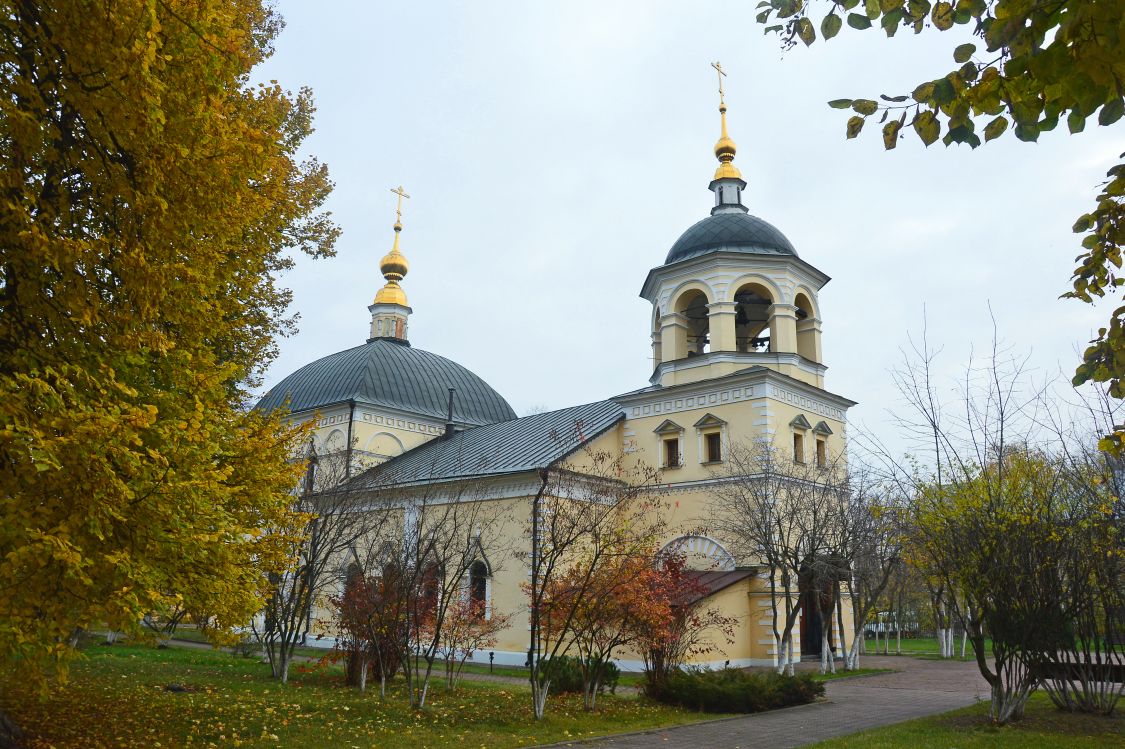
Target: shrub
733,691
565,673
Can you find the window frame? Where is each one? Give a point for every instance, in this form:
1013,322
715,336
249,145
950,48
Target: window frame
668,445
713,446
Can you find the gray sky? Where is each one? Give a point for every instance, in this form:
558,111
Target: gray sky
554,152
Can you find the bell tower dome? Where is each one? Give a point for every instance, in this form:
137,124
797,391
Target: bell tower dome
732,292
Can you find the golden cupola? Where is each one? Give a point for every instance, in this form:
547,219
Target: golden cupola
724,151
727,183
390,311
724,148
393,266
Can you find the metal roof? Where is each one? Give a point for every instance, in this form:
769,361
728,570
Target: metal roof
515,446
706,583
384,372
737,232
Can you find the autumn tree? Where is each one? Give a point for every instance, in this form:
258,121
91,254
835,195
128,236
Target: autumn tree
152,193
330,517
692,629
586,513
1015,528
1029,66
442,527
471,626
613,605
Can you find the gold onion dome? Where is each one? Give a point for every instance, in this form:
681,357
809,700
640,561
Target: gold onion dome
393,266
725,150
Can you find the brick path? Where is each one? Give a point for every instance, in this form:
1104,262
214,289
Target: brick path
920,688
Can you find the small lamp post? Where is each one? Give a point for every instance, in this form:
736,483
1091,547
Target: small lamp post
491,658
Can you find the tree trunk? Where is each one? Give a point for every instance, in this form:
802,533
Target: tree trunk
853,654
539,696
898,625
10,735
361,680
842,644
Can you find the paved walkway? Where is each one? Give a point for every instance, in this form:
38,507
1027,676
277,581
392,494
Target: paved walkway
920,688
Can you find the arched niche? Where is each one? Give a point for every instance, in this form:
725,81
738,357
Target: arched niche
334,442
384,444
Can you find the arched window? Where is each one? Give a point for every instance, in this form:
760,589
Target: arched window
430,588
478,587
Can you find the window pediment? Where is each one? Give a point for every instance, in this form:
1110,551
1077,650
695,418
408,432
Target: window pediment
668,427
800,422
709,420
822,428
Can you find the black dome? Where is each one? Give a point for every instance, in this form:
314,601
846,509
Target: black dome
733,232
387,373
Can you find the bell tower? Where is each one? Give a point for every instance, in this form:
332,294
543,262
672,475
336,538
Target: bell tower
732,292
389,312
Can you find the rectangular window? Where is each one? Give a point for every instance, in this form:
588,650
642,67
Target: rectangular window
714,447
798,448
822,453
671,453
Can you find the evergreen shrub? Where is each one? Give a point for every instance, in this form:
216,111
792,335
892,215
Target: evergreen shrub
731,690
565,673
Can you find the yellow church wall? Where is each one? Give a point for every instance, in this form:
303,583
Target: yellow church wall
377,434
747,421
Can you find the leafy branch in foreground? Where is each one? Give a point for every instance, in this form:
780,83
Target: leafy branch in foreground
1032,64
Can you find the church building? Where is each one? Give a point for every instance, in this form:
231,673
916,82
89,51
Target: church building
736,342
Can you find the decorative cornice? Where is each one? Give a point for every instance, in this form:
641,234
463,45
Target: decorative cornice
735,388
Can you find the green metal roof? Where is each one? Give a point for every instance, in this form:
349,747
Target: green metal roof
384,372
735,232
515,446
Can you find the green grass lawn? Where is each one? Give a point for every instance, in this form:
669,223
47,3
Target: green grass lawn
1043,727
115,697
190,634
925,647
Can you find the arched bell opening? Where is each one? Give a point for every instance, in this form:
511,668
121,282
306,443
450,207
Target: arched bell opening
808,328
692,306
657,349
752,304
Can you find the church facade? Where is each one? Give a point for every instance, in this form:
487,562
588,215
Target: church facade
736,342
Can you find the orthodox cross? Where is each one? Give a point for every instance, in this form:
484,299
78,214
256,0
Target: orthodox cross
401,194
722,74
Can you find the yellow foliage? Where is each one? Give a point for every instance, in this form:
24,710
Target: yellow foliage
150,194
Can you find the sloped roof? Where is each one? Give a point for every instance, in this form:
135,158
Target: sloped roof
709,583
385,372
514,446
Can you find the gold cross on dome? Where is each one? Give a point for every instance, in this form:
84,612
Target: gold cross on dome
722,74
401,194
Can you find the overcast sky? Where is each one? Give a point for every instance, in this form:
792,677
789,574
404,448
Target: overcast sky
555,151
